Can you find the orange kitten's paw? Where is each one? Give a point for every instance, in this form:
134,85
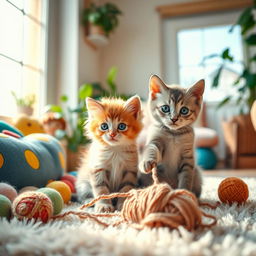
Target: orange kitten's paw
103,207
146,166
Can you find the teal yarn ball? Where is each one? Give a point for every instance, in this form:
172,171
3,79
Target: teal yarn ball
55,197
206,158
5,207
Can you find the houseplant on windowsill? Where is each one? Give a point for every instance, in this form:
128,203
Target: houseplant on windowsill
24,104
238,132
101,19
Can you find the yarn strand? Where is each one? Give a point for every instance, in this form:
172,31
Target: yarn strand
155,206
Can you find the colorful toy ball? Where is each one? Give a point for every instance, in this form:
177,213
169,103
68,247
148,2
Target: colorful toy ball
71,186
55,197
5,207
33,205
8,191
62,188
69,177
232,190
28,188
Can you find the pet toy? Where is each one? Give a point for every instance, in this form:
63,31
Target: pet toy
33,205
155,206
55,197
5,207
232,190
62,188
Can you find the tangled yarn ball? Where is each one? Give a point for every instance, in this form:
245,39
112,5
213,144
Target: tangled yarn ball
161,206
233,189
33,205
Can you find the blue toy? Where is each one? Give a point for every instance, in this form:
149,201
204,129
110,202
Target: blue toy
6,126
32,160
206,158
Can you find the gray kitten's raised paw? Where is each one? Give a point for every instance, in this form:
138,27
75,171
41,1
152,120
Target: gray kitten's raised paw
146,166
104,207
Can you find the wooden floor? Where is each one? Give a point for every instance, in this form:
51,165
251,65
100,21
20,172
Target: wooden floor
231,172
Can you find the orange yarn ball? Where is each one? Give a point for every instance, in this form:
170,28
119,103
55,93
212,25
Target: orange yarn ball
33,205
62,188
232,190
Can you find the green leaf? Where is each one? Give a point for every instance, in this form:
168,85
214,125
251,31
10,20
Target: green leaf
85,90
245,19
216,78
224,101
252,59
251,40
226,56
111,77
55,108
64,98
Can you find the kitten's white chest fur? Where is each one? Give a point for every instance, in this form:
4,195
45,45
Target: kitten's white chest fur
114,159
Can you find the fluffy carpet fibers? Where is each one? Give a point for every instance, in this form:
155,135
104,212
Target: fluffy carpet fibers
234,234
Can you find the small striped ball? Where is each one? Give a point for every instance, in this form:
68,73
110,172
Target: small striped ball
33,205
233,189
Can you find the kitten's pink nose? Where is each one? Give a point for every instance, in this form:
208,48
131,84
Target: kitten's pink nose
174,120
112,134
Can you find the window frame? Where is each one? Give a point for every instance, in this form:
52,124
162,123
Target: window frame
172,26
42,68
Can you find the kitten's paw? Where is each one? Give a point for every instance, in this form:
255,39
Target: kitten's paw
146,166
103,207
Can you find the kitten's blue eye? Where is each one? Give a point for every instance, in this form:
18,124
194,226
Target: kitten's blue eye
184,111
122,126
104,126
165,108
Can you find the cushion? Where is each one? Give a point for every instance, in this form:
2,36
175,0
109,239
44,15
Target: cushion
205,137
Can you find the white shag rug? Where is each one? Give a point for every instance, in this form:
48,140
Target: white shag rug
234,234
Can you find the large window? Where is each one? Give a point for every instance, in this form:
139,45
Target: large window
22,52
187,40
196,44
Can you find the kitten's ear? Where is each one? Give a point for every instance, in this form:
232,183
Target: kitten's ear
156,85
133,105
93,106
197,89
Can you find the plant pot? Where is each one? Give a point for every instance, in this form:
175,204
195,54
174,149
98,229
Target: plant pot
25,110
74,158
96,30
97,36
240,138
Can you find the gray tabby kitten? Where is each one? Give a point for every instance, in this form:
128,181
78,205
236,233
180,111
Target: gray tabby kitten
170,142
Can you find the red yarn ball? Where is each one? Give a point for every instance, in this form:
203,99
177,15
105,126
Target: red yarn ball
33,205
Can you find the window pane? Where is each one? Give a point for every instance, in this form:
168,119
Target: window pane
10,80
190,47
196,44
32,42
11,30
18,3
31,85
189,75
33,8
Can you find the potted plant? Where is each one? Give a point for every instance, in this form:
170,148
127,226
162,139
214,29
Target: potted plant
101,19
24,104
239,132
73,137
109,89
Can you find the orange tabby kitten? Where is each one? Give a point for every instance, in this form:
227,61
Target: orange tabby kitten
110,165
